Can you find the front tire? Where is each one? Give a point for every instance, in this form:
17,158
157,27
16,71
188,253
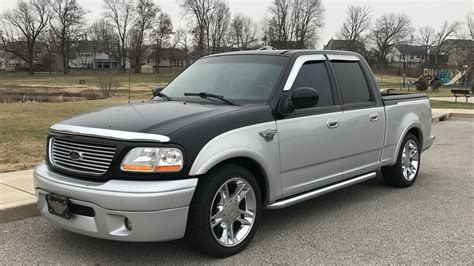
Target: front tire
404,172
225,211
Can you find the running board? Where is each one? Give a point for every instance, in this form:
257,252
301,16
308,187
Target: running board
318,192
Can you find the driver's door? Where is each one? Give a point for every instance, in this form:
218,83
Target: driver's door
306,154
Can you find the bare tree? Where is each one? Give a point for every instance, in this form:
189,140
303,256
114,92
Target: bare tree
108,41
94,36
279,13
295,24
23,25
470,23
446,31
426,38
48,42
390,30
146,14
355,26
183,37
243,32
66,23
201,11
219,25
121,13
161,35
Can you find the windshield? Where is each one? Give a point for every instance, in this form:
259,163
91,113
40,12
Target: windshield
246,78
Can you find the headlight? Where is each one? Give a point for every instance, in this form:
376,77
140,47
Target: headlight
151,160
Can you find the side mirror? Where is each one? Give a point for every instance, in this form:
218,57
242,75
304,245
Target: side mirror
299,98
304,97
156,90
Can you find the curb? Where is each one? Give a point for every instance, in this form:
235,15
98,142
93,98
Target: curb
17,196
445,116
19,210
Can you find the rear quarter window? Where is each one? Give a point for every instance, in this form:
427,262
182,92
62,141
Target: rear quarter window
352,83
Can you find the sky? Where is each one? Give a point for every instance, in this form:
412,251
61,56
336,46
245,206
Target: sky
422,12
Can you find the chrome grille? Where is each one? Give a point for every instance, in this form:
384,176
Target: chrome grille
81,157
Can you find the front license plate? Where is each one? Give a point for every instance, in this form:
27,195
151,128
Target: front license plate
58,205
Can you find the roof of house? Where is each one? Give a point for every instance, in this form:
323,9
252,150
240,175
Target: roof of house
461,42
407,49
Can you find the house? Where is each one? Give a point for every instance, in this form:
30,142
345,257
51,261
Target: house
345,45
460,52
407,56
87,54
11,62
168,57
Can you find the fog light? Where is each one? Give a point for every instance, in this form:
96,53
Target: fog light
128,224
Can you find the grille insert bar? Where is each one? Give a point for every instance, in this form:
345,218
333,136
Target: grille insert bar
80,157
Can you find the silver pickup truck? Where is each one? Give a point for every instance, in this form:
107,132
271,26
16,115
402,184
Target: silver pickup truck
232,135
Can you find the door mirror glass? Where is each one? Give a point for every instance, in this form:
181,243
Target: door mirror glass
303,97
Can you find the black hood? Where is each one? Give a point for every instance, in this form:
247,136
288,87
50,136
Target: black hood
156,117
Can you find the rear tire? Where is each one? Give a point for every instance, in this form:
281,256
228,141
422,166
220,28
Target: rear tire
225,211
405,171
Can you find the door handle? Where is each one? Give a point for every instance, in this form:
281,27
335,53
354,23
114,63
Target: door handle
332,123
374,117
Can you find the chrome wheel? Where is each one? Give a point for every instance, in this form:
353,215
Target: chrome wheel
410,160
233,212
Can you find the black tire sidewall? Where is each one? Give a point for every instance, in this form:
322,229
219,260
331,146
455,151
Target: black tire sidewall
208,188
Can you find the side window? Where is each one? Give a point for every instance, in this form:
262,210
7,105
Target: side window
352,82
315,75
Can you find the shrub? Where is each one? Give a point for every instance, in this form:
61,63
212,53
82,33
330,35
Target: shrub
437,84
107,87
422,84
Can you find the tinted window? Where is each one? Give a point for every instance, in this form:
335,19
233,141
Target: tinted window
247,78
352,82
314,75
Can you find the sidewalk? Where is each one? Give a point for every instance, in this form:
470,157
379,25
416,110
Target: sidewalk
17,193
17,196
443,114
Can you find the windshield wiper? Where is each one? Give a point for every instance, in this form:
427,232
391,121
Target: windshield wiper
207,95
161,95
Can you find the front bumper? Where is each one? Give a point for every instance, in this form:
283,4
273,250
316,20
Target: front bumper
158,210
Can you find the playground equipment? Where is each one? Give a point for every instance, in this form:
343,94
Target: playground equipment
457,77
464,76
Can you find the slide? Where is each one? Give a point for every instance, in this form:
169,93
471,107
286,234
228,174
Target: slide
457,77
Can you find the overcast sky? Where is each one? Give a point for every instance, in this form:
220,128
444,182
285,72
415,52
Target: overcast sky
421,12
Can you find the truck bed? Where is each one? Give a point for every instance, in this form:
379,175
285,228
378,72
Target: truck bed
395,98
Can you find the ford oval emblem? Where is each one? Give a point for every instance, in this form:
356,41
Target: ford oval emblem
75,155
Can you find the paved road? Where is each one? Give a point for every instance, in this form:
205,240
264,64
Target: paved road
431,222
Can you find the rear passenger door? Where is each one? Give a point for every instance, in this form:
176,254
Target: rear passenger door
360,134
306,153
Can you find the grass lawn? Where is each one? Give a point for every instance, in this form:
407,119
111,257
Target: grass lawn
24,127
451,105
23,80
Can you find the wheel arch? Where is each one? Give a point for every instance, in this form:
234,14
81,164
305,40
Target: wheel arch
413,128
255,168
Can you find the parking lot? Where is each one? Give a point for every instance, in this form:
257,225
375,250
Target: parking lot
430,222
